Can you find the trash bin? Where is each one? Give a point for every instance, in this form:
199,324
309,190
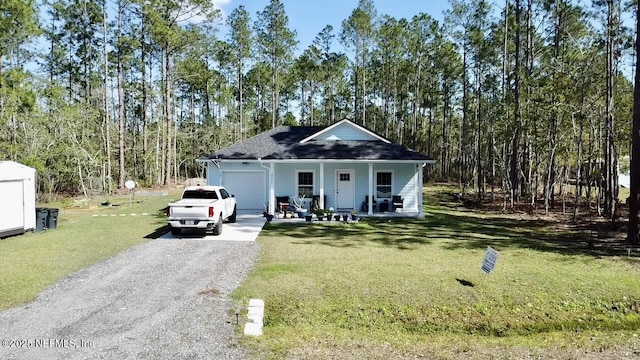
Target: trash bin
41,219
52,219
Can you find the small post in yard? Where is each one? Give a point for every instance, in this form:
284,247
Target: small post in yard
490,260
130,184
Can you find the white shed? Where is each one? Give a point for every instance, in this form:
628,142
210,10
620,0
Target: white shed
17,198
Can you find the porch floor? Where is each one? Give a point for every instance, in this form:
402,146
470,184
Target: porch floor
389,214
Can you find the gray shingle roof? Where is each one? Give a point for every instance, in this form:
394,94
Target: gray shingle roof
283,143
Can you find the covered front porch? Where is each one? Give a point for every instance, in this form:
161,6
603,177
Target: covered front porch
372,188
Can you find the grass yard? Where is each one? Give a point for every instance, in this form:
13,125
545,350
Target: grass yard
413,287
34,261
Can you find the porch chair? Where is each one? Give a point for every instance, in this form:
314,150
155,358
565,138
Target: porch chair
315,202
365,204
282,204
397,202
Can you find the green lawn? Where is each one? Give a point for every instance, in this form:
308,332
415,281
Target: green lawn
395,287
31,262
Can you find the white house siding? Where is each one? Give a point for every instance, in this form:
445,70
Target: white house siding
403,183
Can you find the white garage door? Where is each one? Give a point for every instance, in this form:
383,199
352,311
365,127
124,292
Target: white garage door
248,187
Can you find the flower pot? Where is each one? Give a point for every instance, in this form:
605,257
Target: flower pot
307,217
354,217
336,217
269,217
328,217
345,217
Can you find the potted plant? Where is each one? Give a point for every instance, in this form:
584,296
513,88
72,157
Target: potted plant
298,202
329,214
336,217
345,217
308,217
354,215
320,213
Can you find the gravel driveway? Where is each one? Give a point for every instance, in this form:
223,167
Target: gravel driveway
161,300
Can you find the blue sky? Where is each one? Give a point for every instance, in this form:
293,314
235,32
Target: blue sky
309,17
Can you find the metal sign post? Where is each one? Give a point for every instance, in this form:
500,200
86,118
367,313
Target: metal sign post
130,184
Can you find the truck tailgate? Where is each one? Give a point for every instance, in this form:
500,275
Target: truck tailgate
191,209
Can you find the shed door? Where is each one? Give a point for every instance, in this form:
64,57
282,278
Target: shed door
12,205
248,187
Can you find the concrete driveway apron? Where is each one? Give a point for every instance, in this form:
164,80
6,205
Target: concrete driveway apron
246,228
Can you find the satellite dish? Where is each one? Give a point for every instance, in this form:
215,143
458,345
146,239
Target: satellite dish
130,184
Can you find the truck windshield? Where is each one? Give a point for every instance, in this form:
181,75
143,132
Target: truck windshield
200,194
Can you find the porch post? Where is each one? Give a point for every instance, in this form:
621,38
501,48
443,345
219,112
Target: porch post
272,191
419,184
322,204
370,198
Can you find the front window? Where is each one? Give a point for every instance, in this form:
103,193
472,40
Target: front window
305,184
383,185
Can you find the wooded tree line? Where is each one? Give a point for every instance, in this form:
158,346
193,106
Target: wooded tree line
526,98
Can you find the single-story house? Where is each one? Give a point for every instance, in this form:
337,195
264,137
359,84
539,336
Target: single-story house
344,165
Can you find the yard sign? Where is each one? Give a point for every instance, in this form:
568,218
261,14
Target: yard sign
490,260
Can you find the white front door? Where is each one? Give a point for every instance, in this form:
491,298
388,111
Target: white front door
345,189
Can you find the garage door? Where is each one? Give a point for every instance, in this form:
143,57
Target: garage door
248,187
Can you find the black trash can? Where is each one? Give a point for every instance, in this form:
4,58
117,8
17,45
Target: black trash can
52,219
41,219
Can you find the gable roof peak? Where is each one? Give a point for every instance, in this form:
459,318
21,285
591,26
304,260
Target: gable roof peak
345,122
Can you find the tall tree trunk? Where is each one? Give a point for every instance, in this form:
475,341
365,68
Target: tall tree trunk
505,63
478,130
167,100
121,159
414,115
578,186
633,230
609,144
463,130
240,100
444,149
106,96
515,164
364,87
554,119
143,69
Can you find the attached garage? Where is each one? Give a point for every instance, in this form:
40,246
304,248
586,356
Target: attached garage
248,187
18,194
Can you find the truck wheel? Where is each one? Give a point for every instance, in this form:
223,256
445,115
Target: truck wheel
233,216
217,230
176,231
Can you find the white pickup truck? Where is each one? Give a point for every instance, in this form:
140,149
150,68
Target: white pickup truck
203,208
